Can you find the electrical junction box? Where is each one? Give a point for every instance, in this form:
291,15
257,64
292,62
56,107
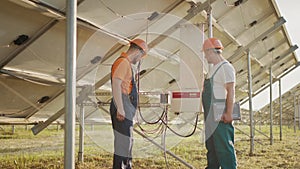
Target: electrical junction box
185,101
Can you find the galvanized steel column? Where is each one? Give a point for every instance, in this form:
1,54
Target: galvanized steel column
209,20
209,29
70,90
295,111
250,103
298,106
280,111
271,106
81,134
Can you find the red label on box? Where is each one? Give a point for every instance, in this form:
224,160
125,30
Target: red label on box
178,95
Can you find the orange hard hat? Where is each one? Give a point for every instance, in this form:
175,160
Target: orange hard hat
212,43
140,43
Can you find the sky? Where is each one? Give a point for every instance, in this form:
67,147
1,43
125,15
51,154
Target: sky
289,9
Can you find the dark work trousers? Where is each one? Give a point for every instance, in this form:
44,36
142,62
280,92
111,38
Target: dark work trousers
219,139
123,136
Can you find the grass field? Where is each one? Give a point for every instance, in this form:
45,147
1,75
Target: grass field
23,150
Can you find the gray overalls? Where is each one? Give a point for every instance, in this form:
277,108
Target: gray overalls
219,136
123,136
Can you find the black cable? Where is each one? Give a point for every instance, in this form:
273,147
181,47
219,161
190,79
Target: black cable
161,129
158,130
172,130
155,122
152,135
180,135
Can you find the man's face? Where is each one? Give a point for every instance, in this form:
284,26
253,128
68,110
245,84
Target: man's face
138,56
208,54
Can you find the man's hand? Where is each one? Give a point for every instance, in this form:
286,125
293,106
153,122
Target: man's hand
120,115
227,118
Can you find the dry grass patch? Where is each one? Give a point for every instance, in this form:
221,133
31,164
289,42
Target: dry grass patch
23,150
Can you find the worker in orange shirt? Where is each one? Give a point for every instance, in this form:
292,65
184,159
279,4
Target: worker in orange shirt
124,102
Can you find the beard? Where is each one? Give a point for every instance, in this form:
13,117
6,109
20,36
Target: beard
136,59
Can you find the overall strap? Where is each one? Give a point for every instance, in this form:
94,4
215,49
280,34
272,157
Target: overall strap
218,69
212,83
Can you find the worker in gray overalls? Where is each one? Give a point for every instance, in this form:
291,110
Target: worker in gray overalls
124,102
220,85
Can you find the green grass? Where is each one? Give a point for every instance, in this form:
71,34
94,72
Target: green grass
23,150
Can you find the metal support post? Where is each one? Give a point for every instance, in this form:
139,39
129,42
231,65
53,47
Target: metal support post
271,107
70,90
81,134
295,110
92,127
209,20
13,129
298,106
250,103
280,115
209,29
